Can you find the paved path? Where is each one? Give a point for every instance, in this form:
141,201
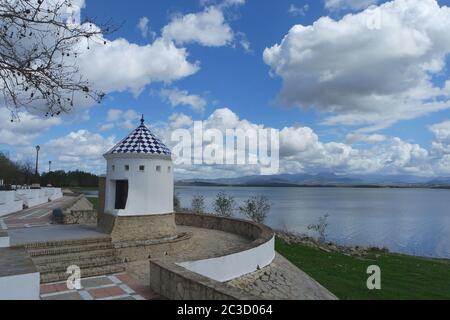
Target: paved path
38,216
53,233
115,287
281,280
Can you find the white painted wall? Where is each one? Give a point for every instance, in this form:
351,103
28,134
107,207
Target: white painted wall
233,266
53,193
4,242
33,197
9,203
150,192
20,287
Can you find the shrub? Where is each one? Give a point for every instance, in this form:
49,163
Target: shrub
321,228
256,208
198,204
176,203
224,205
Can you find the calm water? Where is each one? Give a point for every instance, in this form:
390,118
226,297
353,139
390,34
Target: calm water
411,221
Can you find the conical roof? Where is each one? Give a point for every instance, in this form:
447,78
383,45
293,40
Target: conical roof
141,141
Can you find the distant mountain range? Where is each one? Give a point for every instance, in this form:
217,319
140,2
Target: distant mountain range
323,180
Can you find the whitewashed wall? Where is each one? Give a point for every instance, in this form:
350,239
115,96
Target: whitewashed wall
9,203
235,265
150,192
20,287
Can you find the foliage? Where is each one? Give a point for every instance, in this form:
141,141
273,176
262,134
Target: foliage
176,203
256,208
224,205
321,228
16,173
69,179
198,204
40,43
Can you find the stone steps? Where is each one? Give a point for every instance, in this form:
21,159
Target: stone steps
87,273
94,257
83,264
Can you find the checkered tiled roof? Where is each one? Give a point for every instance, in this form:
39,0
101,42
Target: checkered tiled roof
141,141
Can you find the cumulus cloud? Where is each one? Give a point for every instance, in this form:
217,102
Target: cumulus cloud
79,150
207,28
298,11
117,118
364,76
22,132
144,28
120,65
335,5
178,97
301,150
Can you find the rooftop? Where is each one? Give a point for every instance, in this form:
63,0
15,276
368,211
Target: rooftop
141,141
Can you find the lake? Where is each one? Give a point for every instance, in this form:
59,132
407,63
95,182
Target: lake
410,221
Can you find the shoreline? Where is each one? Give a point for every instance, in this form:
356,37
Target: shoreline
291,238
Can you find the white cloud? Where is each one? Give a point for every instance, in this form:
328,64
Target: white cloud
121,66
22,132
298,11
178,97
335,5
144,28
359,137
117,118
362,76
81,150
207,28
301,150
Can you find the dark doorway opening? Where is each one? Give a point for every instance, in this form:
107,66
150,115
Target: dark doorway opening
121,194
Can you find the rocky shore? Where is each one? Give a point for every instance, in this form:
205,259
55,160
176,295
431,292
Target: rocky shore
358,251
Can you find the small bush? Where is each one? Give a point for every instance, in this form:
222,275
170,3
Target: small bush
224,205
256,208
176,203
198,204
321,228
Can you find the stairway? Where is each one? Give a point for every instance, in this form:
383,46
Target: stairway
95,257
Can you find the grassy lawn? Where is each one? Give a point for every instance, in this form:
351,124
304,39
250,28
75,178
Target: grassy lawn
94,202
402,277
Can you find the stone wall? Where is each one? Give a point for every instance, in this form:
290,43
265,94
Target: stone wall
173,281
143,227
78,211
177,283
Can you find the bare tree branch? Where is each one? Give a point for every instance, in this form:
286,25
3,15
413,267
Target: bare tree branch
40,43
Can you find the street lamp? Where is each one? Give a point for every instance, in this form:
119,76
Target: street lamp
38,148
49,166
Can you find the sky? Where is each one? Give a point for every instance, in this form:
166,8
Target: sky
353,86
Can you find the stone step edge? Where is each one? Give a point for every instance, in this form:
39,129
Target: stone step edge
68,250
93,272
101,253
62,267
66,243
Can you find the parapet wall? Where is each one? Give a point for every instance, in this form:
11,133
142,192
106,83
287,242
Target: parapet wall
203,278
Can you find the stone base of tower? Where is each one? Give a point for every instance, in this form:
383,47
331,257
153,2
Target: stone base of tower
137,228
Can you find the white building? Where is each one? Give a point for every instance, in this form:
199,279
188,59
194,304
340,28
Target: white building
139,179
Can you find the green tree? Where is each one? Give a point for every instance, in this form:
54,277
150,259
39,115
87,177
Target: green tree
198,204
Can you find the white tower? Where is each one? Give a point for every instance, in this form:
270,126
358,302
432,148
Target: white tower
139,184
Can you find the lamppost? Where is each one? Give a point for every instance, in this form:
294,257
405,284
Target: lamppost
38,148
50,166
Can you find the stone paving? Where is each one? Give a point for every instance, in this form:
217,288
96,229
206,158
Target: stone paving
115,287
38,216
282,281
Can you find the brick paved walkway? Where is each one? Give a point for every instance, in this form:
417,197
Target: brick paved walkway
115,287
38,216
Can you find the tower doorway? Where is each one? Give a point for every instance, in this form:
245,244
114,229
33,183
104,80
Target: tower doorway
121,194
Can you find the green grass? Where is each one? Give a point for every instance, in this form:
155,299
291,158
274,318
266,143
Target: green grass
402,277
94,202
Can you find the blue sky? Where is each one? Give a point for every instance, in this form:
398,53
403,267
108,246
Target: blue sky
385,130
